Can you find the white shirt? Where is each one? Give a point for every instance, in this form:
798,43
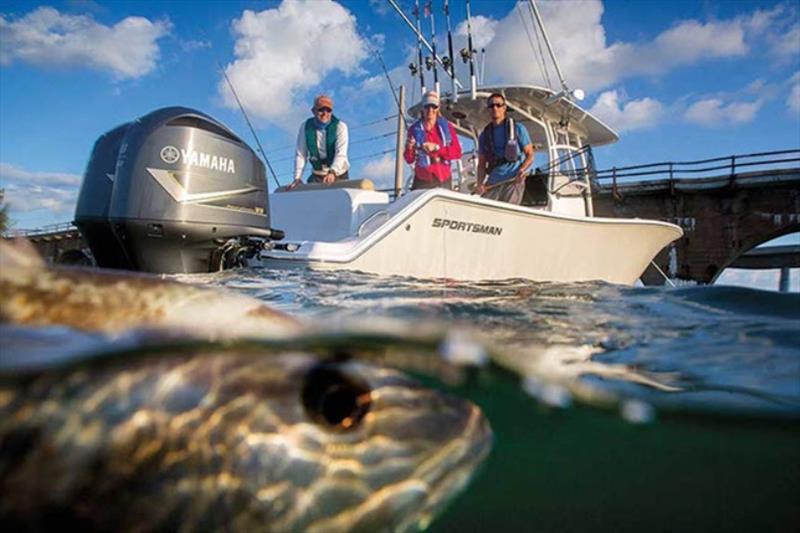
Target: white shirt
340,164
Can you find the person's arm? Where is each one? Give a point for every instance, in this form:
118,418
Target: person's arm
300,156
524,139
453,151
410,153
340,163
480,188
523,168
480,177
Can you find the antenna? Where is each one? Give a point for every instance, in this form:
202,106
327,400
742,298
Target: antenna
253,131
532,3
471,55
450,51
420,64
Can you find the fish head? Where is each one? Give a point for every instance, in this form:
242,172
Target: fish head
362,448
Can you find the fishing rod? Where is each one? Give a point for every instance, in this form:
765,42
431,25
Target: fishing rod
419,35
450,51
471,55
420,64
252,130
429,10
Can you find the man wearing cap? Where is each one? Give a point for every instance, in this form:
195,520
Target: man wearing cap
432,144
322,141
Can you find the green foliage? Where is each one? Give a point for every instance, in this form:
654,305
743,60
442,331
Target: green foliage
4,223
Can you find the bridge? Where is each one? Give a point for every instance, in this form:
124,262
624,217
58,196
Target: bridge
726,206
57,243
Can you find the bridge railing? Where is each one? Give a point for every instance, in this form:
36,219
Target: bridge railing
705,168
44,230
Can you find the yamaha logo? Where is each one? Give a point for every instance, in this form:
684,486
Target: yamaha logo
170,154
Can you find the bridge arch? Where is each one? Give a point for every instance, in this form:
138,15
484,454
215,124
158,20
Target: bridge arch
747,247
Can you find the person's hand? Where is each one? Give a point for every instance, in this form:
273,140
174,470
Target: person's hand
520,177
293,184
480,189
411,143
329,178
430,147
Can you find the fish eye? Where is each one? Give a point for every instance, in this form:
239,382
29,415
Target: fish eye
333,399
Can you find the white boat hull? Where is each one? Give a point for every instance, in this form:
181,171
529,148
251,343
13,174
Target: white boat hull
443,234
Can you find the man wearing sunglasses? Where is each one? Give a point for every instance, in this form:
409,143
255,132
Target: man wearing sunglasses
432,144
505,153
322,141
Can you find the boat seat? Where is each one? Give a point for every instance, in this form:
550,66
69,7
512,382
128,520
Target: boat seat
364,185
535,189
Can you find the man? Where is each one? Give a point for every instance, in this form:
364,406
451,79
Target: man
505,152
322,141
432,144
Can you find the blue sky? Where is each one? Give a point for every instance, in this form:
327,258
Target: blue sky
679,80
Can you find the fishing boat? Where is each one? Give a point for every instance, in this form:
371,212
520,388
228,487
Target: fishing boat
437,233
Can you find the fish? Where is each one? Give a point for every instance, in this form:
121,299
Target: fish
115,301
220,436
224,415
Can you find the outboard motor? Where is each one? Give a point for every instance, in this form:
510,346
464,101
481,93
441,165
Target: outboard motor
91,213
188,195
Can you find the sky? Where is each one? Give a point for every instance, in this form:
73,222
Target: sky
679,80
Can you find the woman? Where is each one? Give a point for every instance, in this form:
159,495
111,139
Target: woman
432,144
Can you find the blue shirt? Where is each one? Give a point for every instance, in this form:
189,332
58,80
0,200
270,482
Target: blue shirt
499,134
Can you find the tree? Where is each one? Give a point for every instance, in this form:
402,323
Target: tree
3,212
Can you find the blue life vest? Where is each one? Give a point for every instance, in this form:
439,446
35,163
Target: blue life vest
418,131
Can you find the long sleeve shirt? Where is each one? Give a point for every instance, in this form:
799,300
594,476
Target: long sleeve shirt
339,165
439,169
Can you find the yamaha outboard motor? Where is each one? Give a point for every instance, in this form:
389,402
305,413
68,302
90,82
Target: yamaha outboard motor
188,195
91,213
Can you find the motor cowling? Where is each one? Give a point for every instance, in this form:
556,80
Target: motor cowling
188,194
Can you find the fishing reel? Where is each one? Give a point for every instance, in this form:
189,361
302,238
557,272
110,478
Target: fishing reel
413,68
428,62
466,54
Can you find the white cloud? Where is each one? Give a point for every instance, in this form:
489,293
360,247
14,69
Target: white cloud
27,191
590,62
283,53
611,108
793,100
715,112
45,36
483,30
778,28
380,171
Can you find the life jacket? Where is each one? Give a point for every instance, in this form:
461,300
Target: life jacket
511,153
330,143
418,131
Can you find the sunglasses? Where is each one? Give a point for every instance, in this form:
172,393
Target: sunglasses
490,106
324,110
431,106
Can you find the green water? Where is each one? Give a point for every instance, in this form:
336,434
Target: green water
587,469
